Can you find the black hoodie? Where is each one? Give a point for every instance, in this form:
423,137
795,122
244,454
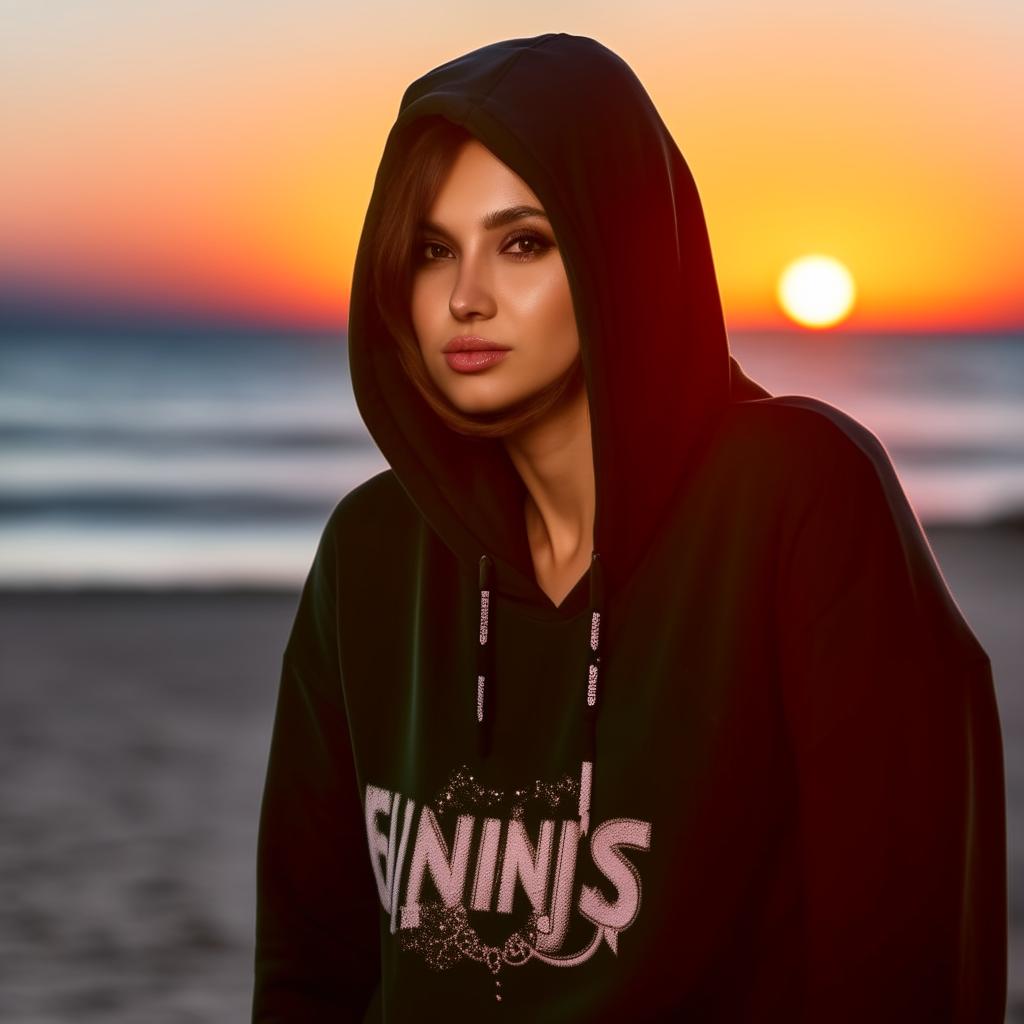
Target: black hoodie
750,768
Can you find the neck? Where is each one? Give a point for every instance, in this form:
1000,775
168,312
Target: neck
555,459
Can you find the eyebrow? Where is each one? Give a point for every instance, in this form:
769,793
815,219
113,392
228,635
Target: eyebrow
494,219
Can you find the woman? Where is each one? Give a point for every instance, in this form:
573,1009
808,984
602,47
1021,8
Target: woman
629,691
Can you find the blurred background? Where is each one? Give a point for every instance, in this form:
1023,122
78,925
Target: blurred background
182,192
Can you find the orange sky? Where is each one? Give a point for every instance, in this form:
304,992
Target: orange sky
163,155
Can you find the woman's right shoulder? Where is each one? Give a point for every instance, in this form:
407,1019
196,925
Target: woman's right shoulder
378,503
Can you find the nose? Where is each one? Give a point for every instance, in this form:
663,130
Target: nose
471,294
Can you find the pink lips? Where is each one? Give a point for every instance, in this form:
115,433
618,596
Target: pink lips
475,359
468,353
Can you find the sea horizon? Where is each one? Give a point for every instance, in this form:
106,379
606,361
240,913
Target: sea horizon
212,461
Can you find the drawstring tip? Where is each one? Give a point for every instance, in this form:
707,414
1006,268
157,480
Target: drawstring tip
586,776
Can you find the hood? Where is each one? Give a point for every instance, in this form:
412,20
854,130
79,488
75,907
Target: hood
572,119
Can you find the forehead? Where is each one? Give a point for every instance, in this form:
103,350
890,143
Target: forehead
478,182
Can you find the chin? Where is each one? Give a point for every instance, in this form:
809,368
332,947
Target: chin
488,401
482,407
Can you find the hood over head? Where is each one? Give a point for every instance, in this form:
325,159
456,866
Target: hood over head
572,119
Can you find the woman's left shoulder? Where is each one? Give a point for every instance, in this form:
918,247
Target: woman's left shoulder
805,426
799,438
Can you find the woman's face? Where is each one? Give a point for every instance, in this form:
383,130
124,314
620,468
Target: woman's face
503,282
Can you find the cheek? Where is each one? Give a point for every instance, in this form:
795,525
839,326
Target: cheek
428,303
555,317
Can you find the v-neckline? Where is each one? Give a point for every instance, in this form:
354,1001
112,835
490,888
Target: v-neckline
569,595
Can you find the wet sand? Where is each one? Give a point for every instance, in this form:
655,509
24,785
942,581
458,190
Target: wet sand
134,730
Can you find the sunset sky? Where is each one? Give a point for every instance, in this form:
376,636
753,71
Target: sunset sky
215,160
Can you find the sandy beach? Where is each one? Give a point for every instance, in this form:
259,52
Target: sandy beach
134,732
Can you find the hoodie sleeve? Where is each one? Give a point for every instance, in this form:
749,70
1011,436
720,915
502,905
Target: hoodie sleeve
891,708
317,914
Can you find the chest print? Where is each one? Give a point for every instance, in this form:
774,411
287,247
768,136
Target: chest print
492,855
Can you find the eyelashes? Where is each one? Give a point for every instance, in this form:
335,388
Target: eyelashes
540,246
531,236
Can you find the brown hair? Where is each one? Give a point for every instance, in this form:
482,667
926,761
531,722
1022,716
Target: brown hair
433,146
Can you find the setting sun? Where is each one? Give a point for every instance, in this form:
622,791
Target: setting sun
816,291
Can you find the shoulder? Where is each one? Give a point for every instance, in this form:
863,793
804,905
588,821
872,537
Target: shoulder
368,528
801,435
831,483
377,504
374,494
794,456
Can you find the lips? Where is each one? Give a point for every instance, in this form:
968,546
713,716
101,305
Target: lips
472,360
472,343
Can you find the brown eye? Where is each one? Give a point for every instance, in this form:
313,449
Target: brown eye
539,242
425,248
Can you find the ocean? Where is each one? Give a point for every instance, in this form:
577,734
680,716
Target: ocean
207,461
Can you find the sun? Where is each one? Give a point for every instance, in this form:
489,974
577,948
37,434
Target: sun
816,291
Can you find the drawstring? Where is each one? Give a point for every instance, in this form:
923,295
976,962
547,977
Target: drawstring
484,659
591,706
591,702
